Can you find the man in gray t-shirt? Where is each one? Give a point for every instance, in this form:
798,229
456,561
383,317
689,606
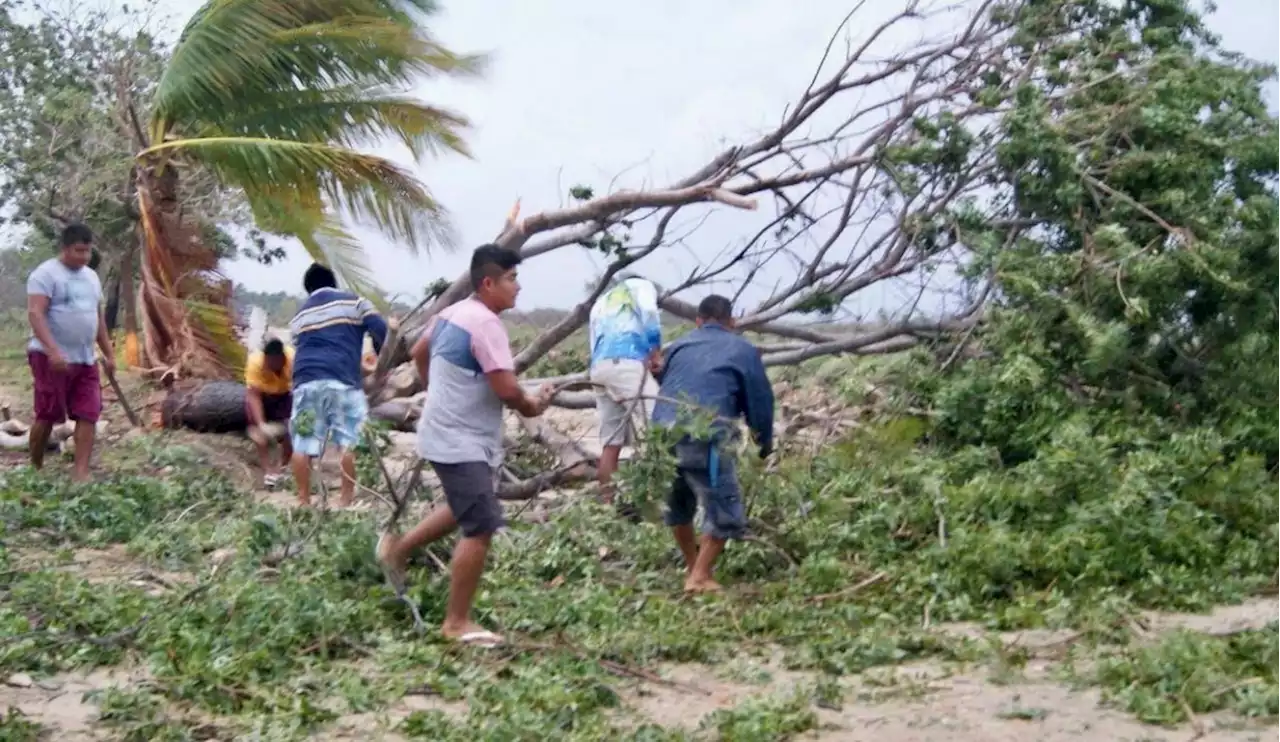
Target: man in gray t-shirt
64,299
464,356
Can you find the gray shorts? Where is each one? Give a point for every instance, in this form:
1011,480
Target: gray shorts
714,485
624,400
469,490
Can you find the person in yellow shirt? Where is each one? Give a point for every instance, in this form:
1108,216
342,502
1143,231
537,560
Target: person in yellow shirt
268,380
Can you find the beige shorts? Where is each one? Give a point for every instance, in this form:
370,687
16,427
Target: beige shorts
624,400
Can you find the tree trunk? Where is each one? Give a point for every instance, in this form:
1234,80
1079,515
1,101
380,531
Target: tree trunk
186,304
206,407
402,412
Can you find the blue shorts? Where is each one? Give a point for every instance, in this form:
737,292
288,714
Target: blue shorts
709,479
323,410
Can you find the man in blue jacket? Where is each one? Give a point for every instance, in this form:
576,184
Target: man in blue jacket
711,371
329,404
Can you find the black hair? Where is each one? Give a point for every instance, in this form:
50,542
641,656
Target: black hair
318,277
491,261
75,234
273,347
716,308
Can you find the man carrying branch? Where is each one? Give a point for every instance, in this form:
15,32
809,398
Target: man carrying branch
711,369
63,307
464,356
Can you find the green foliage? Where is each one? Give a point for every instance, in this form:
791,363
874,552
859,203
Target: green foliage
1144,299
767,720
114,510
141,716
1189,673
14,727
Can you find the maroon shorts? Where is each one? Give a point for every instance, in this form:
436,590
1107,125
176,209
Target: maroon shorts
74,393
276,408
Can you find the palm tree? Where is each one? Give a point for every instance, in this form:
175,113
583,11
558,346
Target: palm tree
273,97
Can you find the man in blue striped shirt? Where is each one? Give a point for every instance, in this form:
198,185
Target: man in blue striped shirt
329,405
712,371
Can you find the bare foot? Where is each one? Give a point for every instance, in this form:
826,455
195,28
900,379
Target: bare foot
702,585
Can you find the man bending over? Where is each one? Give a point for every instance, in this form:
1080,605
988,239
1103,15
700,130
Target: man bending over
712,370
626,340
268,381
63,297
328,393
465,357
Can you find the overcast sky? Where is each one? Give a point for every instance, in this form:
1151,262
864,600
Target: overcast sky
581,90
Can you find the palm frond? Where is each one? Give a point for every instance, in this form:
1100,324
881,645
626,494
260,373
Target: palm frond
235,49
219,332
331,245
366,186
324,238
349,117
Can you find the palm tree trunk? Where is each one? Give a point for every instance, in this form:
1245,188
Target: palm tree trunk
186,305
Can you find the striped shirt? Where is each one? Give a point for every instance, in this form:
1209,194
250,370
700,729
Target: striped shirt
328,336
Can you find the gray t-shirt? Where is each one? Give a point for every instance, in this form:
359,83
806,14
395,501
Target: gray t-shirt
74,296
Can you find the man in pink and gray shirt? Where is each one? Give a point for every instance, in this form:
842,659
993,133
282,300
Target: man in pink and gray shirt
465,357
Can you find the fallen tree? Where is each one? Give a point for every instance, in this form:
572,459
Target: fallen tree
870,202
206,407
867,180
878,196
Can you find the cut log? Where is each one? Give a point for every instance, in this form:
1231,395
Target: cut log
14,427
11,442
14,436
402,412
209,407
402,381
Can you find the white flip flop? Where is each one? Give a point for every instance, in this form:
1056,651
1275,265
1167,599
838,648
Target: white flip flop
395,577
482,639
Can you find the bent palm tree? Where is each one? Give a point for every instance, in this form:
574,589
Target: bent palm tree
273,97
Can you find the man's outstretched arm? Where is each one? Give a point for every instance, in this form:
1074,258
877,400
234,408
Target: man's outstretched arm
492,350
505,384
